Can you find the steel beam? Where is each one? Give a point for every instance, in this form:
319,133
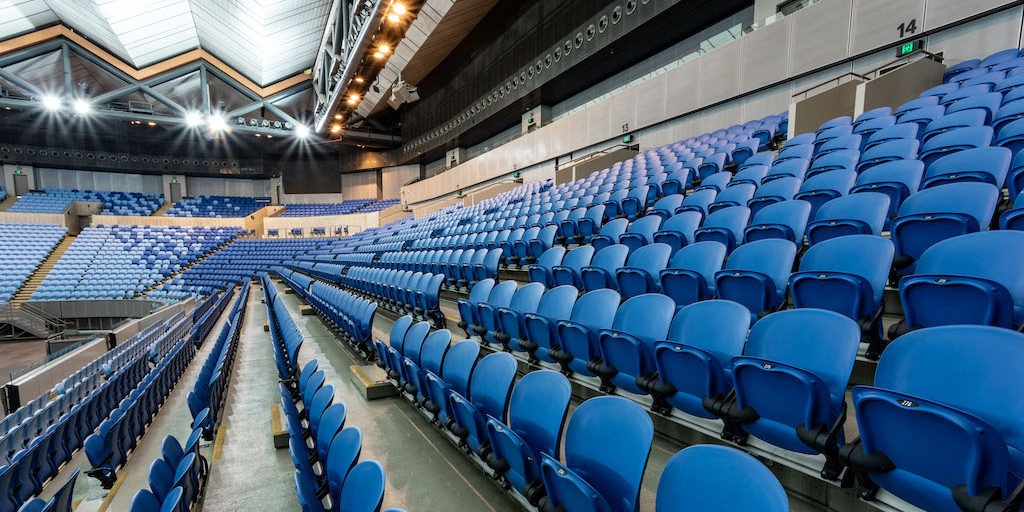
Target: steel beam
16,80
353,57
205,85
164,99
65,54
30,52
107,97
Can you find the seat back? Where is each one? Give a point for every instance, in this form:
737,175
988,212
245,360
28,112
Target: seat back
491,384
985,165
845,274
785,220
538,408
718,479
942,212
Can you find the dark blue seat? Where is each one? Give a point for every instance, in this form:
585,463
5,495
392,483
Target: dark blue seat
588,225
601,271
577,336
429,358
1013,218
751,174
845,144
824,187
854,214
967,279
756,275
458,366
678,231
468,312
1011,136
640,273
489,391
1008,113
699,201
640,232
536,414
846,275
592,480
953,141
725,226
839,160
717,181
791,168
948,442
785,220
782,189
898,180
510,319
666,206
542,326
986,165
569,272
718,479
676,182
898,149
908,130
363,490
695,357
690,275
500,297
540,272
609,234
938,213
627,348
791,382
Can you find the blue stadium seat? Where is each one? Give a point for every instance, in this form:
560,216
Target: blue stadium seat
756,275
540,272
785,220
640,273
899,149
690,275
468,312
577,336
678,231
734,195
601,271
510,319
854,214
500,297
782,189
542,326
953,141
898,180
458,366
724,226
488,396
718,479
824,187
609,234
1013,218
570,271
986,165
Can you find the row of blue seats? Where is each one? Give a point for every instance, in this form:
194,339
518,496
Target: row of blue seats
352,316
321,209
175,479
217,206
418,293
515,431
330,272
324,452
208,393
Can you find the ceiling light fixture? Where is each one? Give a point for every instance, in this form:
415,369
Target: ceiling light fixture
216,123
393,18
359,79
398,9
82,107
193,119
336,128
51,102
151,123
301,131
378,55
351,102
384,48
337,116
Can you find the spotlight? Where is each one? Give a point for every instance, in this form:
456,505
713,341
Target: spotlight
270,136
359,79
82,107
398,9
193,119
384,48
378,55
51,102
257,135
354,97
216,123
393,18
151,123
301,131
351,102
336,128
337,116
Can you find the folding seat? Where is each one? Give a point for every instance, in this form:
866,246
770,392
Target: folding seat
964,92
500,297
941,91
458,365
867,127
953,141
841,160
589,224
790,383
785,220
952,121
694,359
536,414
968,279
956,69
627,347
666,206
601,271
543,241
944,436
468,312
1013,218
938,213
824,187
609,234
711,164
613,206
718,479
792,151
921,102
716,182
1009,66
724,226
466,270
745,150
846,275
510,319
641,271
763,158
541,326
507,245
678,231
676,183
637,201
998,57
521,247
540,272
488,269
591,480
640,233
898,180
793,167
986,165
489,389
751,174
735,195
774,191
899,149
1007,114
1011,136
699,201
577,335
756,275
428,357
827,134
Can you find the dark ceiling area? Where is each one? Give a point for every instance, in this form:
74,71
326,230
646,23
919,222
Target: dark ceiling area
499,46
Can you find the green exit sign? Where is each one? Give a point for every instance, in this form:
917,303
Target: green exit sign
911,47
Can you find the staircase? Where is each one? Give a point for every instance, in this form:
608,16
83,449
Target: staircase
24,321
159,212
39,274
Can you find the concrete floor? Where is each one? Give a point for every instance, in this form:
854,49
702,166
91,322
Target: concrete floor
19,354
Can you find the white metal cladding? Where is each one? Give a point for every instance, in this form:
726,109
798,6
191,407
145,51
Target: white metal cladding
265,40
881,22
720,73
761,61
821,35
943,12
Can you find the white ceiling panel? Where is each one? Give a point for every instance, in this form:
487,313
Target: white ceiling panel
265,40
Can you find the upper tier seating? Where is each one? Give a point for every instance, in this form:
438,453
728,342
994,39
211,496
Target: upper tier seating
24,247
217,206
323,209
55,200
119,262
379,205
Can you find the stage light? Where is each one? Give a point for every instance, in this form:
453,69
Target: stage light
359,79
193,119
398,9
336,128
51,102
384,48
82,107
393,18
216,123
301,131
151,123
378,55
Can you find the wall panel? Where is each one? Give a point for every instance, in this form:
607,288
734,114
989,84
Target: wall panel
876,23
720,73
761,61
821,35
